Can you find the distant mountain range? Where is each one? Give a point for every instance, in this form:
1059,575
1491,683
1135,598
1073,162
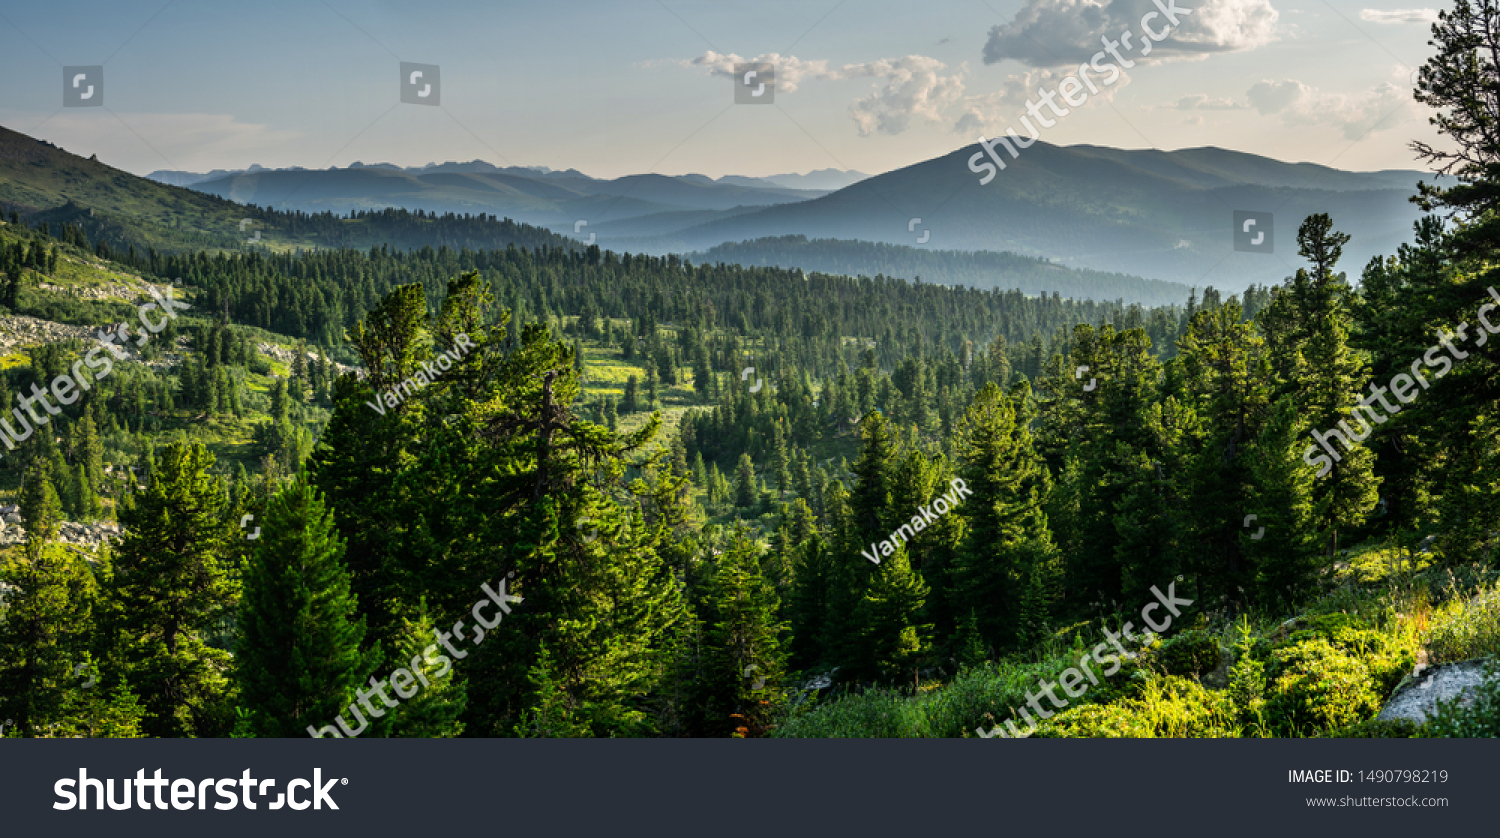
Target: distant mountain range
557,199
1165,215
823,180
1116,216
1161,214
43,182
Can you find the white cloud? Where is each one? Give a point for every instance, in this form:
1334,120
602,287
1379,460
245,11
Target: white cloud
1299,104
1203,102
790,70
912,88
1397,16
1056,33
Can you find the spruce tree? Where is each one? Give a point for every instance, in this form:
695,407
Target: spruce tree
745,491
896,638
745,660
170,588
298,658
1280,540
1007,532
781,462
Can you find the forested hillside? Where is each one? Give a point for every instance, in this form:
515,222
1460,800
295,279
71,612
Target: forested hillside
439,487
982,269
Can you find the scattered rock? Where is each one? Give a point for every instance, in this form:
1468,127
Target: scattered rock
286,356
88,536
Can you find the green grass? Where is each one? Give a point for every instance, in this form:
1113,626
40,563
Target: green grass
1326,673
1466,628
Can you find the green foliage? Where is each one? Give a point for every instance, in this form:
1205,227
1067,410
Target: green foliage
1466,628
1189,653
44,632
298,659
94,712
1169,707
171,585
1318,686
895,638
436,709
556,714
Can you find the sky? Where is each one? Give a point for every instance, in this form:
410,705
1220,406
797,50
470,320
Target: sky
635,86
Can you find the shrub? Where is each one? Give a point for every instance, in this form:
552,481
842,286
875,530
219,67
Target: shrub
875,714
1388,657
978,697
1166,707
1191,652
1317,687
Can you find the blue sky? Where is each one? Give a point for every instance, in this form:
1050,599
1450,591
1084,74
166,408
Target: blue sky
613,88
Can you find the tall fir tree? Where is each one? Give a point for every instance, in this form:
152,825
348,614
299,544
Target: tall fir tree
170,589
299,659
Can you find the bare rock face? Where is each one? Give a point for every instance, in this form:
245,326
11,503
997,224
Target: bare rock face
1417,697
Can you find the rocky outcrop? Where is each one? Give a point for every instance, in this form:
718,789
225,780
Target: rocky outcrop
1417,697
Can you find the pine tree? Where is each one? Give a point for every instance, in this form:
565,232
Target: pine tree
95,712
298,660
1007,530
1310,317
85,503
511,489
1225,389
556,714
895,637
88,449
170,588
745,491
971,649
781,462
744,647
1280,541
630,402
436,709
812,575
702,373
47,616
870,499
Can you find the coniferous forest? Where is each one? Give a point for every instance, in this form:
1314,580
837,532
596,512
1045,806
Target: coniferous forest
479,480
